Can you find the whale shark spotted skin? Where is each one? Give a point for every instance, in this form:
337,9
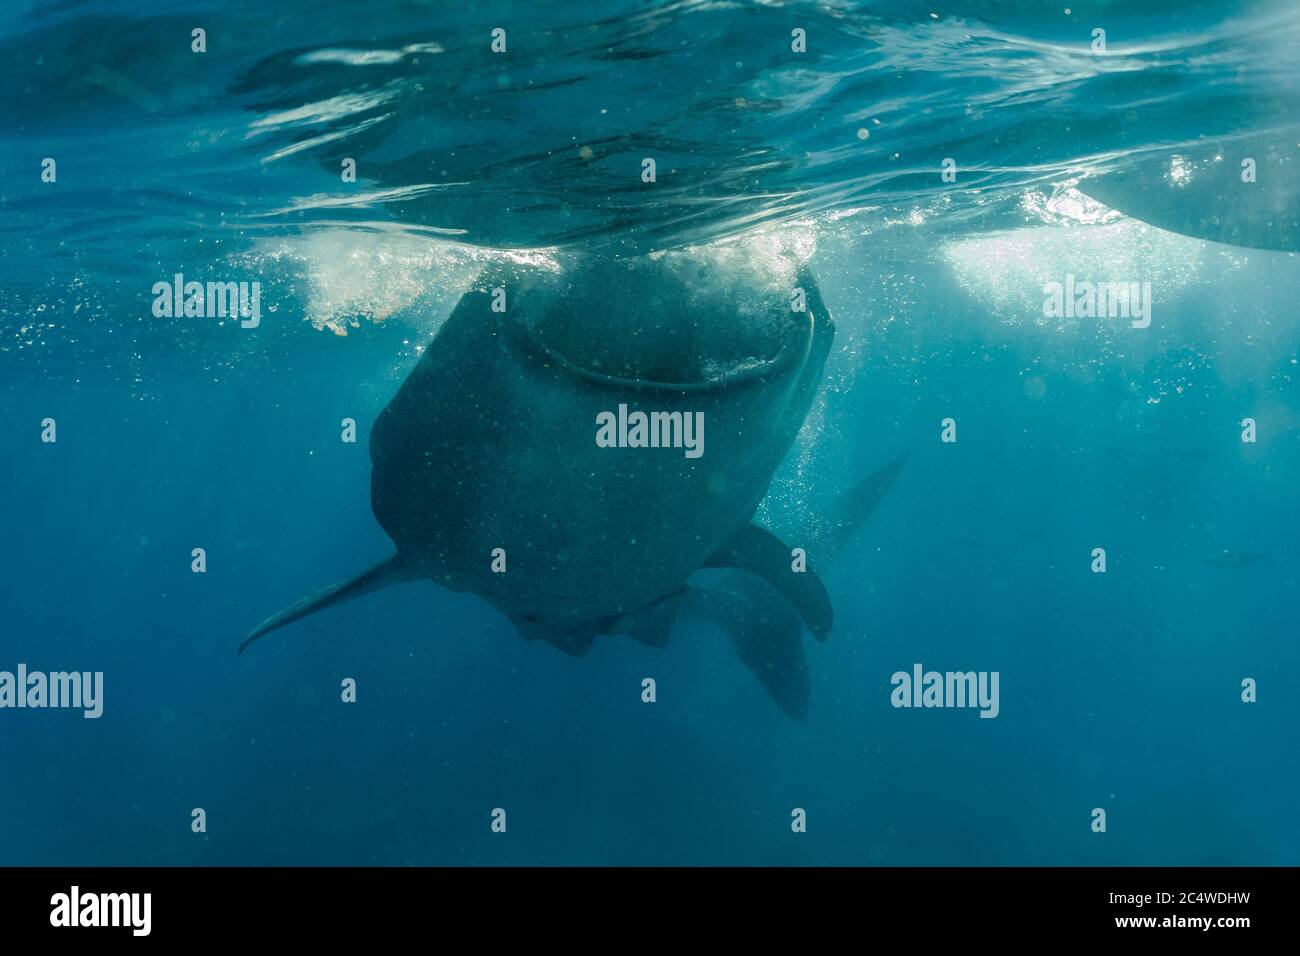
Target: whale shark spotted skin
489,447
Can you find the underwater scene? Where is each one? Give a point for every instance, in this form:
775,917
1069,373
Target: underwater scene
709,432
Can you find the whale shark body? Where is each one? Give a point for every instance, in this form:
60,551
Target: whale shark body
491,477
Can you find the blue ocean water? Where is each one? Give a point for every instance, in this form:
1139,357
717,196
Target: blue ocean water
1120,691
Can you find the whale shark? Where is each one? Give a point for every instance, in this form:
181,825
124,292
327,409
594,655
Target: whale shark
490,475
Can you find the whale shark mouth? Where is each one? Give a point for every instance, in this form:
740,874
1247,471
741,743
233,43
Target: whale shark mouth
698,318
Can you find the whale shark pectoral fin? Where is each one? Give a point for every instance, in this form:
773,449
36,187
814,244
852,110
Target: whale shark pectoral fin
760,552
382,575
